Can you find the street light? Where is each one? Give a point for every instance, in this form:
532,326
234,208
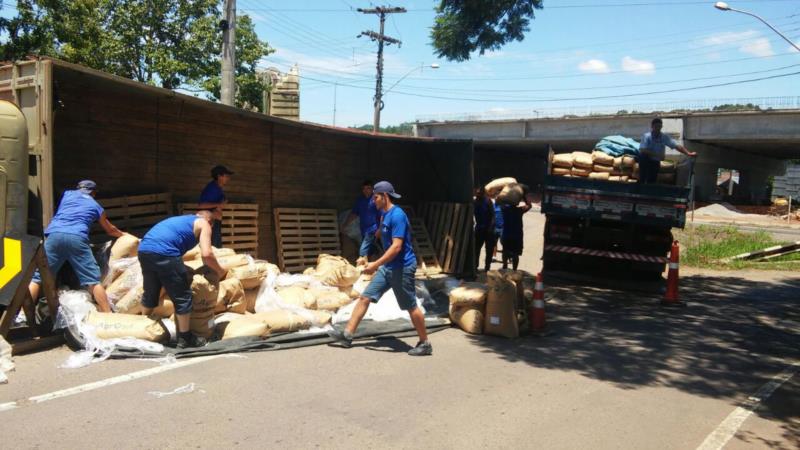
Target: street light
722,6
421,67
380,94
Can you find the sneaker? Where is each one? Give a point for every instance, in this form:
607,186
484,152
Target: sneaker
192,342
422,349
340,339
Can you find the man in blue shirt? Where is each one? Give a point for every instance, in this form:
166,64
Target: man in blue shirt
161,257
368,219
395,269
512,235
67,239
213,197
484,226
652,151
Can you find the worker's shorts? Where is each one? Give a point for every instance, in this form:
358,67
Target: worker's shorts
401,281
170,273
63,247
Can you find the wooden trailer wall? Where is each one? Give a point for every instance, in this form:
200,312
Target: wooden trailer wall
133,139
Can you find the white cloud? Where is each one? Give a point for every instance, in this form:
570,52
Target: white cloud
749,42
638,66
594,66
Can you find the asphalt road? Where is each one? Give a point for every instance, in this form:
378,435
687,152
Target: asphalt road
618,372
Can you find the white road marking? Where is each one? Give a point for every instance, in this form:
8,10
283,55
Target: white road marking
728,428
107,382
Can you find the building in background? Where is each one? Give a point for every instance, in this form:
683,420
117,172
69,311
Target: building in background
282,96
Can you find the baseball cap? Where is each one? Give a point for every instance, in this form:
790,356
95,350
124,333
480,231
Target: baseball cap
220,170
384,187
87,186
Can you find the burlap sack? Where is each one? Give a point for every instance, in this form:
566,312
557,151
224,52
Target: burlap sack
231,297
602,158
666,166
231,261
614,178
495,186
244,326
298,296
561,171
194,253
129,279
624,162
582,160
250,296
469,318
282,321
165,309
580,172
110,326
469,294
204,299
599,176
562,160
335,271
602,168
131,302
321,318
501,317
330,300
252,275
125,246
511,194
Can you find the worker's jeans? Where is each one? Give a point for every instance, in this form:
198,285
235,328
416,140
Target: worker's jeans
64,247
648,169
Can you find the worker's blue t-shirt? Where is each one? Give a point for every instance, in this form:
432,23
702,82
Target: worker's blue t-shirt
483,213
212,193
367,213
395,225
170,237
498,219
76,213
655,147
512,222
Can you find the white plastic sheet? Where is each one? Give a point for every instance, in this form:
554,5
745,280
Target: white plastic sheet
386,309
6,363
269,300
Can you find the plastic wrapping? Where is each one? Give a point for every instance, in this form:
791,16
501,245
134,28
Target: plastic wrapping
6,364
117,268
353,231
269,300
386,309
132,277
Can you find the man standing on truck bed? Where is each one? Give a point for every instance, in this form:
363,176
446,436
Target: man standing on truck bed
161,257
67,239
652,151
214,197
394,270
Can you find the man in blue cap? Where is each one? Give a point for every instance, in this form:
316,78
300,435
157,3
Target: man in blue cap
368,219
214,197
395,269
161,257
67,239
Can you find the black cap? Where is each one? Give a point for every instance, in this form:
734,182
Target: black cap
384,187
220,170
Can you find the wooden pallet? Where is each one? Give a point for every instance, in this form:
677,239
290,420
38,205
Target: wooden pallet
427,262
303,234
135,214
239,225
450,228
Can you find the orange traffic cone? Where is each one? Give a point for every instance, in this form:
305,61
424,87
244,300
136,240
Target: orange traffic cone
536,312
671,296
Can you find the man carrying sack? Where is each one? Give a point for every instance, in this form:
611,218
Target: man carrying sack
161,257
395,270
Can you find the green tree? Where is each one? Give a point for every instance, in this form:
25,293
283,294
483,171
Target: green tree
168,43
463,26
404,129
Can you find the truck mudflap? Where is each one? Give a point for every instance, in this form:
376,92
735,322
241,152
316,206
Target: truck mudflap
605,253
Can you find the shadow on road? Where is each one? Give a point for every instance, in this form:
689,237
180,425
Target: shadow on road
733,336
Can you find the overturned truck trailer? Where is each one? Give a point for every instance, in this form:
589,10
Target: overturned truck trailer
132,138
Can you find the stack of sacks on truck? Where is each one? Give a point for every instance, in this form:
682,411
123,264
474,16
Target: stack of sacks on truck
329,286
597,165
506,190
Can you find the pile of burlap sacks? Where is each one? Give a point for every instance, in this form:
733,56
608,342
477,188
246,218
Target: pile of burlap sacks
497,308
599,165
229,307
506,190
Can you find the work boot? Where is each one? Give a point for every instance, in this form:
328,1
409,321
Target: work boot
341,340
192,341
422,349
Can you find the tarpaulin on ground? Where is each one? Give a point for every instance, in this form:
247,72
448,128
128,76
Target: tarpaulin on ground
618,146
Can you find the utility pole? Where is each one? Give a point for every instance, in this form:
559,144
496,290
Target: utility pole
228,79
381,11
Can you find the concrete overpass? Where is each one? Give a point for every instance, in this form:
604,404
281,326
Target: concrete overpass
757,144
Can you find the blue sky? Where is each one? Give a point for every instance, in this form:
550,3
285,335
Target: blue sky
575,49
579,56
